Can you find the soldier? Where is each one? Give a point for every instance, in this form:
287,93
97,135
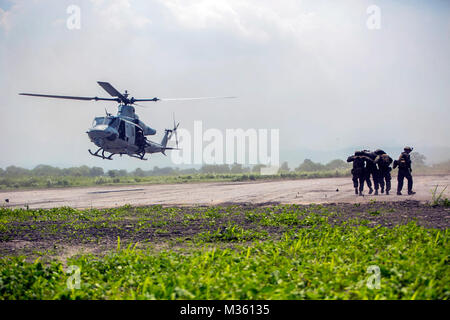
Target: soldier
404,171
139,137
359,171
384,161
371,169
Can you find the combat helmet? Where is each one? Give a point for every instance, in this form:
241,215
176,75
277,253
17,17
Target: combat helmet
407,149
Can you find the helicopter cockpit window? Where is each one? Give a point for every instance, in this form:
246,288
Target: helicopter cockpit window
114,122
98,121
104,121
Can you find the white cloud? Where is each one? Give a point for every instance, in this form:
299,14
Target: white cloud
9,17
119,14
5,20
251,19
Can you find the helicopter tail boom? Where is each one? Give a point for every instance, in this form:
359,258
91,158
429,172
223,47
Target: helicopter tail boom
168,134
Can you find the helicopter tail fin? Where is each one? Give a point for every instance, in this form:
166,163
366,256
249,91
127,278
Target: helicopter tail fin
168,134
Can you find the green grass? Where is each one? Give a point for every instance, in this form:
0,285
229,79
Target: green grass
231,233
437,198
316,262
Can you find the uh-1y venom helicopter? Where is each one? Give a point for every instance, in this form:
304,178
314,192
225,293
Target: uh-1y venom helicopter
124,133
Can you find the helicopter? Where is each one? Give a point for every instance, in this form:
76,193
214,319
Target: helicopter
124,133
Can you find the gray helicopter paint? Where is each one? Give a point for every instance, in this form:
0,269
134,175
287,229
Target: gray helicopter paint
106,136
128,112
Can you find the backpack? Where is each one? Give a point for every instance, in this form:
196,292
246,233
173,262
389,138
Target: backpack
403,161
386,160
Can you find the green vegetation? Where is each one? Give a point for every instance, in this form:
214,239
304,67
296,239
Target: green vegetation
231,233
44,176
437,198
278,252
50,177
327,263
309,166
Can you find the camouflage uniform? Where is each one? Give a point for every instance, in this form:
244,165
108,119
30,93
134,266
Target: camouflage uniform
384,161
404,171
359,171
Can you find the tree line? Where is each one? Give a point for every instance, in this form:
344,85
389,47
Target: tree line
85,171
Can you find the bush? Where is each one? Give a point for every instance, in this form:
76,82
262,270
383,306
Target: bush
101,181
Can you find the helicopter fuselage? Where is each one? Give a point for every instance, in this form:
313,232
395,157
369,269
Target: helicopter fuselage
123,134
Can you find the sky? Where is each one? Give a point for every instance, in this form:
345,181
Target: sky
312,69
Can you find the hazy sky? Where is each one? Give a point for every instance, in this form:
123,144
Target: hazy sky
312,69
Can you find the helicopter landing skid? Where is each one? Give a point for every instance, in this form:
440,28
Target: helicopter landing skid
95,154
139,156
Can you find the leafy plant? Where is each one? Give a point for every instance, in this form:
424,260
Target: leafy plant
437,197
241,257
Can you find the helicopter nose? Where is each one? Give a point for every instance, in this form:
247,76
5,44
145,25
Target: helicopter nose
102,133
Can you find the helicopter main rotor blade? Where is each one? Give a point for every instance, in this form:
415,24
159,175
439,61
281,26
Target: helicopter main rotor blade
199,98
111,90
67,97
152,99
181,99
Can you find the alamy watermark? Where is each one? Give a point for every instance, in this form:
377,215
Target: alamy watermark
73,22
374,20
213,146
374,281
74,281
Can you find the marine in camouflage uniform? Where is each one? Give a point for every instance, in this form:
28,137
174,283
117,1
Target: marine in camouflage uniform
383,161
404,171
359,170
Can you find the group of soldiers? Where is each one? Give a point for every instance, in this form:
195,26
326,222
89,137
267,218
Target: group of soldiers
377,164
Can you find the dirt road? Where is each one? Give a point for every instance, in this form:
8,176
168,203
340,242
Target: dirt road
329,190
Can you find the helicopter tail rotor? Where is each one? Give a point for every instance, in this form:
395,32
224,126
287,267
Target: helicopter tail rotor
175,127
168,135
